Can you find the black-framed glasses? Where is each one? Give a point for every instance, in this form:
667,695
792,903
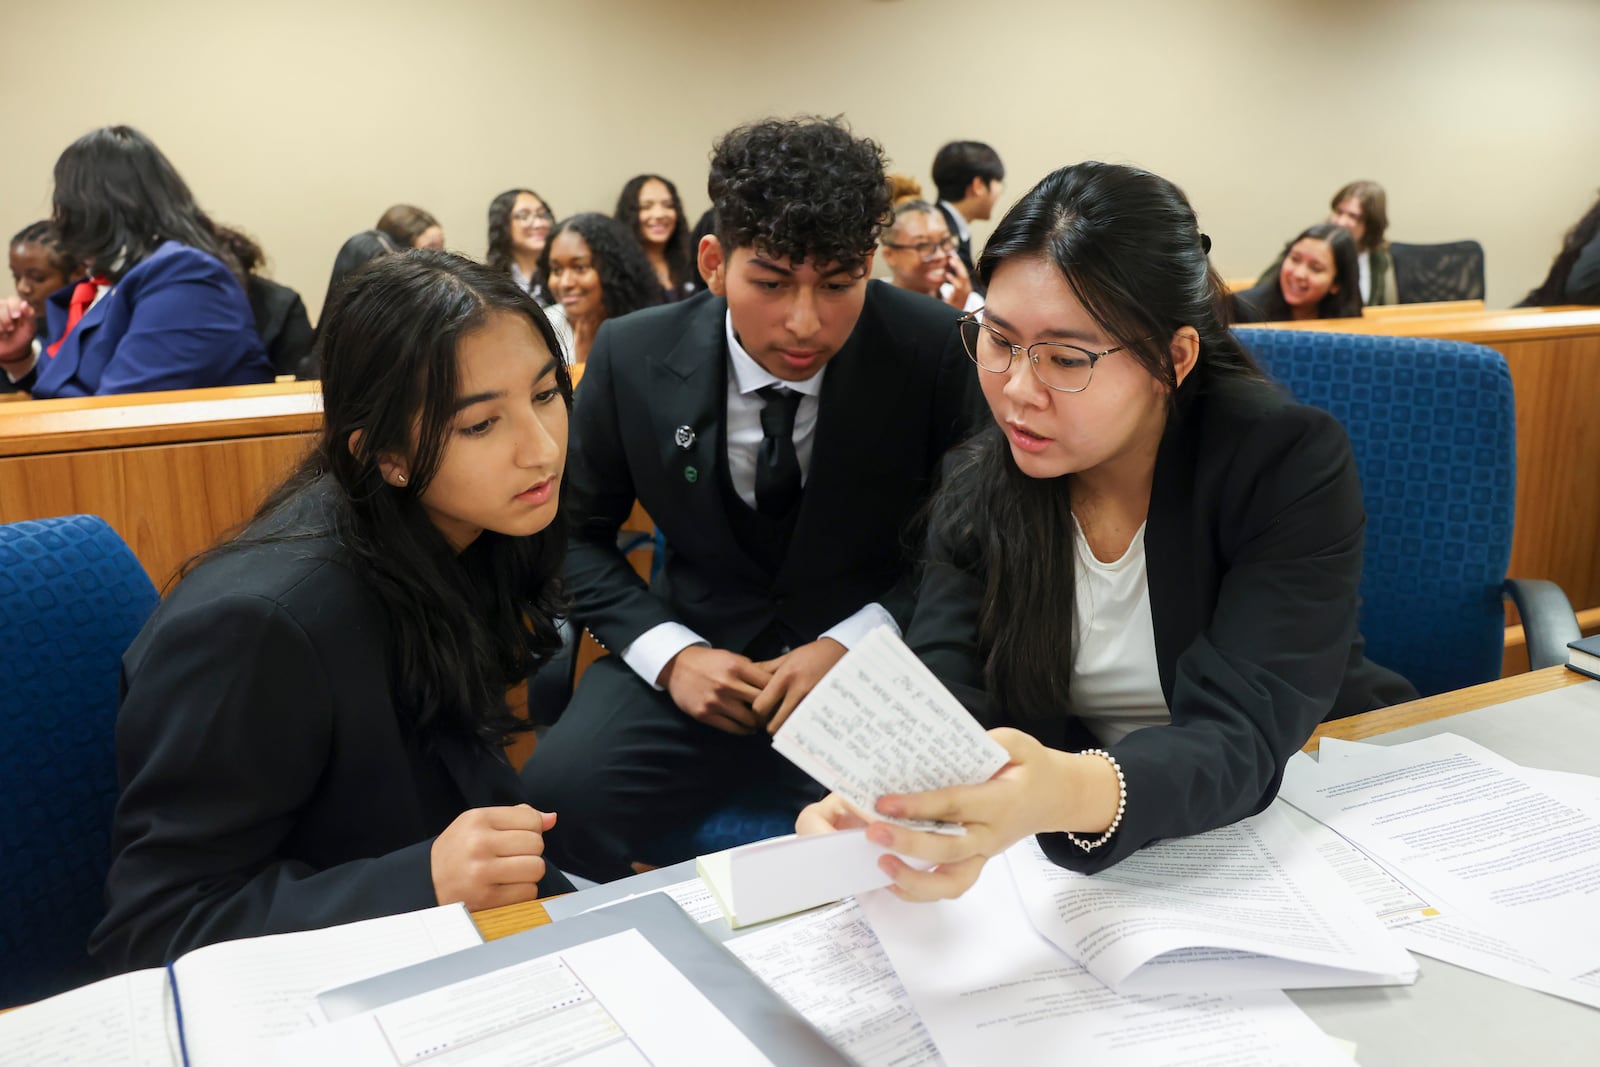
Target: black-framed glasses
926,249
529,214
1059,366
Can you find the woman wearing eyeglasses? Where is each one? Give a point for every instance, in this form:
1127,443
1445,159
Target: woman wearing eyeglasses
1145,571
519,226
921,256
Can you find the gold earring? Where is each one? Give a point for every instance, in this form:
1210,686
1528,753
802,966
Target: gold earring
401,478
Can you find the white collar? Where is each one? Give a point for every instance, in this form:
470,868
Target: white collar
751,376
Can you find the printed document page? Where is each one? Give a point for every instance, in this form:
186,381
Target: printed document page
879,722
612,1002
1246,906
125,1021
1470,826
238,996
829,967
992,991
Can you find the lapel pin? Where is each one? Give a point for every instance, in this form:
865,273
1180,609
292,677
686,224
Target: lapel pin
684,436
690,474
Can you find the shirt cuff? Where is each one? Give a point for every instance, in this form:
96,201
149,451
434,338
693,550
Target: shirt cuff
650,652
859,625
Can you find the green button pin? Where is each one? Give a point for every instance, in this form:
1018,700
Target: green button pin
690,474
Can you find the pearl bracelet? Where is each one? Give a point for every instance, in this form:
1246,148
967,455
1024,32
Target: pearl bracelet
1122,803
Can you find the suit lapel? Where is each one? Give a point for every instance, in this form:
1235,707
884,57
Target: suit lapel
64,364
1170,545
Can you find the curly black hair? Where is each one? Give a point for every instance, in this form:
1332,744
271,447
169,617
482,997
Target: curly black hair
627,281
800,189
679,252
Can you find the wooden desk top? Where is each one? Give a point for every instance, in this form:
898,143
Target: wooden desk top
515,918
1477,327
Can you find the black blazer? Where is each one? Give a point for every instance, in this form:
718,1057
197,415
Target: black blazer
1253,554
896,397
963,244
270,783
284,326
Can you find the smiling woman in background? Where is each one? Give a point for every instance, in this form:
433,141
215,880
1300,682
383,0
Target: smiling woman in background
519,226
596,271
1316,278
649,209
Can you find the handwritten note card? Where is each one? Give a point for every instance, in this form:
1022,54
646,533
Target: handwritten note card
881,723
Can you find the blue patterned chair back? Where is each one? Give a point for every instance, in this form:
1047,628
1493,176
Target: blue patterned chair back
72,598
1433,428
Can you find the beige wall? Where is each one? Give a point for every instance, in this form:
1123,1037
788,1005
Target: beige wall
302,121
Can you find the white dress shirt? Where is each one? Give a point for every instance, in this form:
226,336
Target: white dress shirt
651,651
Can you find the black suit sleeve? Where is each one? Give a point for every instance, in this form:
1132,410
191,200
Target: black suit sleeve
613,602
1268,665
221,739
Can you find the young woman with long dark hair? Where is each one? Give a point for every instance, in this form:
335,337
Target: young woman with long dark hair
311,721
1574,276
1316,278
519,227
164,305
649,208
596,271
1144,572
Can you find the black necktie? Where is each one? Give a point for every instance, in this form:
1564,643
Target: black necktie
777,466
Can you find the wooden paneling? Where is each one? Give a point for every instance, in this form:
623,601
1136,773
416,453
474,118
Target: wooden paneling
1401,311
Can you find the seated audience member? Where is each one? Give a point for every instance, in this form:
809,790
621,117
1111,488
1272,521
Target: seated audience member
921,256
650,210
519,226
357,251
1143,573
1315,279
903,187
1574,277
412,227
311,721
280,314
162,307
596,271
969,178
38,269
1363,208
781,430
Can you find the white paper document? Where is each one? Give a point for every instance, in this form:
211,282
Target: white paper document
766,880
829,967
610,1002
1246,906
692,895
992,991
1514,860
880,723
125,1021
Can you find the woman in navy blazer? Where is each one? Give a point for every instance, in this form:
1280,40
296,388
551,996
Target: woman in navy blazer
168,312
1144,573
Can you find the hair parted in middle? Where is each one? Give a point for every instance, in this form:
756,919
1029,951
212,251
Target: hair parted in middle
627,281
680,251
803,189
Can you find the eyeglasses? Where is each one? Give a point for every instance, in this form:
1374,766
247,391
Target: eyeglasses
927,249
528,214
1059,366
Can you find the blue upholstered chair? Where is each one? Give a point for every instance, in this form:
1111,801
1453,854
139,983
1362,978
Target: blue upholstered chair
72,598
1433,428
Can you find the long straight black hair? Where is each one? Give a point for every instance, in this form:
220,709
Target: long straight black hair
1128,244
465,627
117,198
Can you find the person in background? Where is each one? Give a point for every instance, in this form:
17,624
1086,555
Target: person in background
650,209
1574,276
280,314
412,227
163,306
357,251
38,269
596,271
921,256
1315,279
1362,208
1144,573
969,178
519,226
311,722
903,187
781,430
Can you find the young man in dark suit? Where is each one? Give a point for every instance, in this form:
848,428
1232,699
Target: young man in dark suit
970,178
783,430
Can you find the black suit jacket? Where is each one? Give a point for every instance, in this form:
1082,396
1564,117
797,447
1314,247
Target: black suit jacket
284,326
270,783
1253,554
963,244
896,397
